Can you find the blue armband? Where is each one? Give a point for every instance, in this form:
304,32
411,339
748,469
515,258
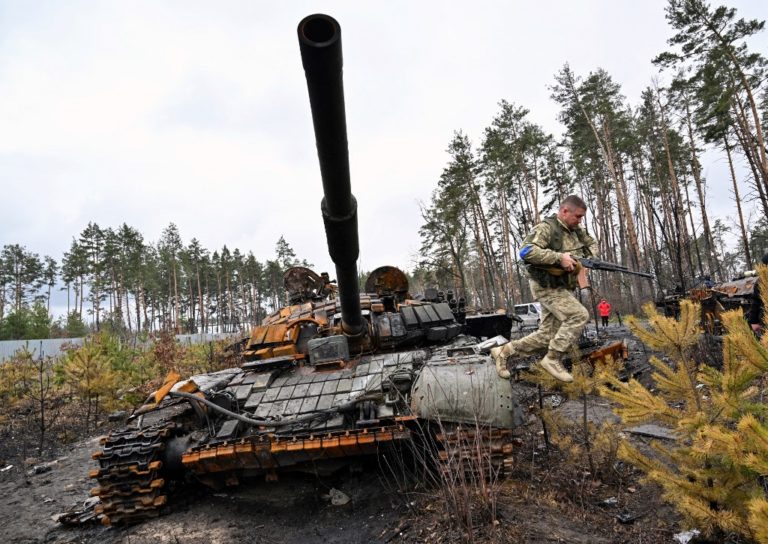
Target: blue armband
525,251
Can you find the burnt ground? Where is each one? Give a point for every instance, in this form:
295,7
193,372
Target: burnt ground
537,505
548,499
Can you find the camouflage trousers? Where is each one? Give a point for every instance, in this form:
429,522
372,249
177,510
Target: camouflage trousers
562,321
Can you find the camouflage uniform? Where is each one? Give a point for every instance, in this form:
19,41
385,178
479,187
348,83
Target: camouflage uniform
563,317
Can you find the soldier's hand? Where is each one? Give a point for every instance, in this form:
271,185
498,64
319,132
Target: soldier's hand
567,262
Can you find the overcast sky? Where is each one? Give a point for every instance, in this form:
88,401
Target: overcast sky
196,113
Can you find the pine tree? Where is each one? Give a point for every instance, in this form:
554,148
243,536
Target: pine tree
91,242
285,254
598,130
197,259
130,276
74,268
444,241
713,472
169,249
87,370
50,273
22,275
712,40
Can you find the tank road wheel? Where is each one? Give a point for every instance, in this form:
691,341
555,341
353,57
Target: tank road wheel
130,474
467,453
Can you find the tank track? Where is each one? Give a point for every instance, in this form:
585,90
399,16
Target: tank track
131,486
473,454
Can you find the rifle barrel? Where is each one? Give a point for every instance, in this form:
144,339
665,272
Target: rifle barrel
596,264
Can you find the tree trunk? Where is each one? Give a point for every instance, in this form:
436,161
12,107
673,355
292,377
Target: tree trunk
622,199
742,226
679,212
761,184
176,308
82,296
655,253
218,301
192,311
200,298
506,247
486,296
742,77
126,296
487,252
709,249
207,302
693,228
231,302
671,239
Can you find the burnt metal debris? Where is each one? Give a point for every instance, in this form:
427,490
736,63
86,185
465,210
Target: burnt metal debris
336,374
714,298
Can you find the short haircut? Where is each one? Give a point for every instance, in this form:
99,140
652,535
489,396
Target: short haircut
573,202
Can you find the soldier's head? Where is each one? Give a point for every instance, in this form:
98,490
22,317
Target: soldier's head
572,211
764,260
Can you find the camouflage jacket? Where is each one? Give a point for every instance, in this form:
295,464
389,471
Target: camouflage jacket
545,245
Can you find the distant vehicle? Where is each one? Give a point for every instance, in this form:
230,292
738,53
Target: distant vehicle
529,314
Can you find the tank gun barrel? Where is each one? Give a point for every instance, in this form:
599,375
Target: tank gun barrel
320,45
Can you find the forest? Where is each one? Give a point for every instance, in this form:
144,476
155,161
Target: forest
113,278
639,167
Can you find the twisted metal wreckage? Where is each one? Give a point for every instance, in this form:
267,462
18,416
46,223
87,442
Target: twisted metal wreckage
715,299
336,374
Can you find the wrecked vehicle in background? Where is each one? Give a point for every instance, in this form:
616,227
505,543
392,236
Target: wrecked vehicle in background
714,300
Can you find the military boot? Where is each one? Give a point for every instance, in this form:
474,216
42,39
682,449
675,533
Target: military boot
500,355
552,364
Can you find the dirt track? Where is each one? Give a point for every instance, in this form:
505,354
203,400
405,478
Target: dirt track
297,509
294,510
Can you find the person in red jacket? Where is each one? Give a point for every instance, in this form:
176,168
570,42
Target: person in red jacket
604,308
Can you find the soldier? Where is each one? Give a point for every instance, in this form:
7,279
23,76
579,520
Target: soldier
553,243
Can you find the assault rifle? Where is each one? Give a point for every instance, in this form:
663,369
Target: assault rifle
594,264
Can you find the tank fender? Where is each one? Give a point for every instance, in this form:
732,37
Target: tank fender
466,392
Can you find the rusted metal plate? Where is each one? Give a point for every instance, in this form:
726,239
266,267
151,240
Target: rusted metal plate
257,337
388,280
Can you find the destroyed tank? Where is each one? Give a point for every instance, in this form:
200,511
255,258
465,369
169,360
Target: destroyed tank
336,374
715,299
